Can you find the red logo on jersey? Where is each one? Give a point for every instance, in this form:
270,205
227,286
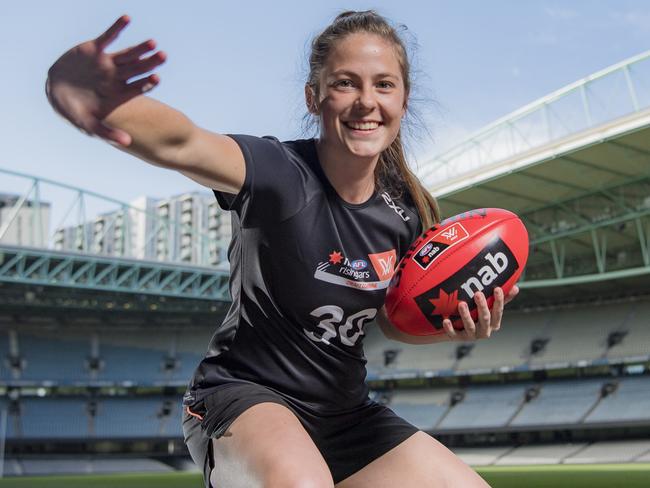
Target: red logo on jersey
384,263
336,257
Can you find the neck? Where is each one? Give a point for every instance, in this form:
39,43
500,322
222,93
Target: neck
352,178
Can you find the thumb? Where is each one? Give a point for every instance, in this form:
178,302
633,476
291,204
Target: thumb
111,135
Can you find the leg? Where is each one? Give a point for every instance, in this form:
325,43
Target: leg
418,462
267,446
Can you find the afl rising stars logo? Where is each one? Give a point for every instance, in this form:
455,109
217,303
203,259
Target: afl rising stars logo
373,273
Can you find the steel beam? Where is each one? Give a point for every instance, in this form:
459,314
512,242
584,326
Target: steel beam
63,269
584,279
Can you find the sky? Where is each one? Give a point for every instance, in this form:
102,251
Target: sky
239,67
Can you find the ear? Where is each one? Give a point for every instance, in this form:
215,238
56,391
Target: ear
310,100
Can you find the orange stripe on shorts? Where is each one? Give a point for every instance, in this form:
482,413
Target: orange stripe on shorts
187,409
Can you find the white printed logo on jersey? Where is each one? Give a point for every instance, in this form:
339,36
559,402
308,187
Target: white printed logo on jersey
356,273
398,210
333,323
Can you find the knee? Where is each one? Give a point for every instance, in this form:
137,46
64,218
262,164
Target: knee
300,479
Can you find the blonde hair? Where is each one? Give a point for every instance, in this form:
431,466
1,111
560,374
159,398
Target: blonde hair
392,172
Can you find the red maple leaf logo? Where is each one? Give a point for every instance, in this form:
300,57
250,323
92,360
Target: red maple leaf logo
336,257
446,304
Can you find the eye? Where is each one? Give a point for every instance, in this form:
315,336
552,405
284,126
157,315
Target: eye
385,84
343,84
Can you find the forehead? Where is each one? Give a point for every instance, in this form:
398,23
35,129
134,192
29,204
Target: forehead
363,53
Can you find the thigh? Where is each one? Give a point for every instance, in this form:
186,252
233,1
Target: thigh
267,446
419,462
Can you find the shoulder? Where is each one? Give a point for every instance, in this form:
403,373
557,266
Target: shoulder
270,147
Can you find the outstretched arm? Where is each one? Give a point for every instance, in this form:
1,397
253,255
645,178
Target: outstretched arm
91,89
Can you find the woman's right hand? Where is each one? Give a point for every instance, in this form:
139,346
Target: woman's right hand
86,84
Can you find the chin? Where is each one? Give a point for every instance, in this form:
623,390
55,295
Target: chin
365,150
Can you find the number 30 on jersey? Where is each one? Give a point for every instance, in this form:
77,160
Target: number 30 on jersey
333,323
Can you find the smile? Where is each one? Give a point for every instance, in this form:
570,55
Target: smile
362,125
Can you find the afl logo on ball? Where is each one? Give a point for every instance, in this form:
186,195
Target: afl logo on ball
425,250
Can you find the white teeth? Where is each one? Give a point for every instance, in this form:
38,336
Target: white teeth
363,125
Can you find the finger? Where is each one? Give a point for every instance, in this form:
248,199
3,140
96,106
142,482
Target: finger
468,322
497,309
140,87
484,315
141,66
133,53
109,134
449,329
514,291
112,32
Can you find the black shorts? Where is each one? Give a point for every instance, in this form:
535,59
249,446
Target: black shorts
348,441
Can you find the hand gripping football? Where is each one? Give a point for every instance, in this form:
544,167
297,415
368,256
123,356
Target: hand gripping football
473,251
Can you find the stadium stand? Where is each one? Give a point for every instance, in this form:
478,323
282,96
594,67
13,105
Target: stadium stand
564,402
511,350
527,340
635,344
37,466
610,452
128,417
630,401
422,408
485,406
481,456
579,334
542,454
54,418
41,352
96,356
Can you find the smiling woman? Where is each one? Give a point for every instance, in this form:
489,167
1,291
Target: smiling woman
319,225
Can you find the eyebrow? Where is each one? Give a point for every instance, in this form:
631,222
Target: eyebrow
353,74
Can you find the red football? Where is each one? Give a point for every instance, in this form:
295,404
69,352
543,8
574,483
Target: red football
473,251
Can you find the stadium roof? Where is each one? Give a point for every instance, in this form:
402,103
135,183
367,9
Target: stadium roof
579,181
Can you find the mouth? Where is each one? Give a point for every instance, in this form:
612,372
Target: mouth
362,126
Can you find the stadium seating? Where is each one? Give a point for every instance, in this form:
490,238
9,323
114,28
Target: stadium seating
630,402
49,358
422,408
406,357
611,452
67,418
508,348
60,465
571,336
481,456
636,343
542,454
54,418
62,357
562,402
579,334
485,406
128,417
5,370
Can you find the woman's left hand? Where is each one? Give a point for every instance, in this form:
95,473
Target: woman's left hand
487,321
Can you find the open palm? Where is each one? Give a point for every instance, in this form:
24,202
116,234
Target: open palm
86,84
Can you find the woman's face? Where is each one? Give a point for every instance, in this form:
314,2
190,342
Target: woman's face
362,96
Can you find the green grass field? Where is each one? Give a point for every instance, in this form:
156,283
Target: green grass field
578,476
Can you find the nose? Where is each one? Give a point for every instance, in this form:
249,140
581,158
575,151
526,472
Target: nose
366,100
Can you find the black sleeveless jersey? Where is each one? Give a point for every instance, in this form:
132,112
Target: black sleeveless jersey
308,272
